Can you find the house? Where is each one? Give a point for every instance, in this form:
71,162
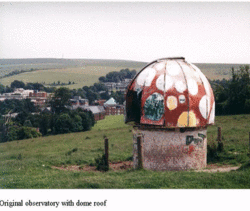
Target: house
78,102
120,86
113,108
98,111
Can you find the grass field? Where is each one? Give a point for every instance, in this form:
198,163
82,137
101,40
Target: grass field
85,72
82,76
28,163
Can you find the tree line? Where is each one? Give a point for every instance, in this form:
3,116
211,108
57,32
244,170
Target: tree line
118,76
233,96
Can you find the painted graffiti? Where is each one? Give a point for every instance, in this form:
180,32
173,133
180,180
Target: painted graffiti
190,139
154,107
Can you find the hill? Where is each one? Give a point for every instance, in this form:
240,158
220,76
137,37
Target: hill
85,72
67,161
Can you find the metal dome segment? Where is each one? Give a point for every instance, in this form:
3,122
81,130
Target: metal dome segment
170,92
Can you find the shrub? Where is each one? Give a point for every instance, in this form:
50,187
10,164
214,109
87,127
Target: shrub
101,163
18,133
212,154
28,132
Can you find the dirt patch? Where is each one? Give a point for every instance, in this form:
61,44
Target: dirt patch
115,166
125,165
212,168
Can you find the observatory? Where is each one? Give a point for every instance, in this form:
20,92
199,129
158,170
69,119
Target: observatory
171,103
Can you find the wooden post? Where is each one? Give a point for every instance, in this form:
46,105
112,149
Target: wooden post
219,134
139,151
106,147
249,140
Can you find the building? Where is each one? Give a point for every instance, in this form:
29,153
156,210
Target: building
38,98
113,108
78,102
98,112
18,94
171,103
120,86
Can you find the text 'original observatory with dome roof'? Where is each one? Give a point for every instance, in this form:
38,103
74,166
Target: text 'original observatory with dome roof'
171,103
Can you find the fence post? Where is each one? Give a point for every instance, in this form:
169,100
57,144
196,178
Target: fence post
249,140
139,152
106,148
220,147
219,134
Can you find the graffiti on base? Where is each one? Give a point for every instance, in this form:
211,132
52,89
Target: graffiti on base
190,139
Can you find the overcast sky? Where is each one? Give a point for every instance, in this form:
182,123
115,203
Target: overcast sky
200,32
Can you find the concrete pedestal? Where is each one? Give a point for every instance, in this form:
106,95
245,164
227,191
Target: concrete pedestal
174,150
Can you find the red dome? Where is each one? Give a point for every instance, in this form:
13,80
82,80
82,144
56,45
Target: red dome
172,93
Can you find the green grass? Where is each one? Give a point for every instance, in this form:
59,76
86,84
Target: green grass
28,163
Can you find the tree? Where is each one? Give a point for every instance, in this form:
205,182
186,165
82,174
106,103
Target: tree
92,96
44,123
76,122
232,96
17,84
63,123
102,79
27,123
2,88
60,100
118,96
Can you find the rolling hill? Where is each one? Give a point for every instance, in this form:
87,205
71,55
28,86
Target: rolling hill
85,72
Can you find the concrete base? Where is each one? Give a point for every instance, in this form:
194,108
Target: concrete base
171,150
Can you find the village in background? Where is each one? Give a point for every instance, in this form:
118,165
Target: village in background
32,109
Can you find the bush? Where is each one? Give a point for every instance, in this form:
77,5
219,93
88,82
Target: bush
28,132
212,154
18,133
101,163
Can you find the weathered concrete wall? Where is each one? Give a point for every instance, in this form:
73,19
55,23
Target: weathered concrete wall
171,150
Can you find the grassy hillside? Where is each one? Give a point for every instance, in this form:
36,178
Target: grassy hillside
85,72
81,71
29,163
217,71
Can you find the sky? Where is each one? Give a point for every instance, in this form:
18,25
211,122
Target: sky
215,32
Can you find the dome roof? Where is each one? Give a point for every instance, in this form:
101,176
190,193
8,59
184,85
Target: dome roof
172,93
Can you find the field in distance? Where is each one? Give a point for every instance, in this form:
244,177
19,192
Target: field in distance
85,72
80,71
